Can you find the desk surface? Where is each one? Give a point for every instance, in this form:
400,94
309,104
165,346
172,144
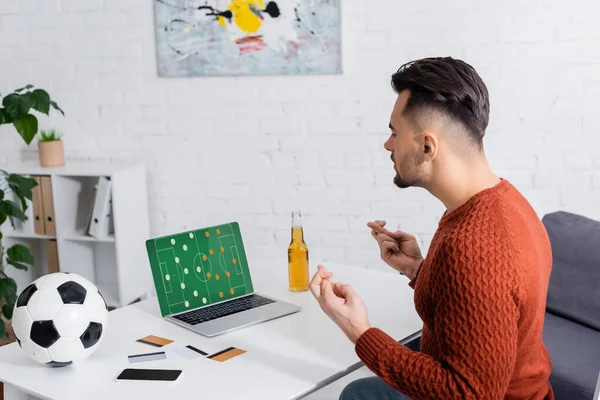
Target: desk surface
286,358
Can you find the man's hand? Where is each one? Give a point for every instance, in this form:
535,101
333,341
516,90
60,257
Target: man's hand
341,303
399,250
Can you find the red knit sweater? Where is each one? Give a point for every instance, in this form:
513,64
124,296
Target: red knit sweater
481,293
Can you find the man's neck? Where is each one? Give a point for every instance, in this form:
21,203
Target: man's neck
456,185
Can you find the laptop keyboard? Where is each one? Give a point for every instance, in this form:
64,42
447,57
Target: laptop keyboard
220,310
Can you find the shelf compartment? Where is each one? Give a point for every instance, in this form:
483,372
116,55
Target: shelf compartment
95,261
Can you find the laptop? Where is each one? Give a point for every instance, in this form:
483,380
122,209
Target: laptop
203,283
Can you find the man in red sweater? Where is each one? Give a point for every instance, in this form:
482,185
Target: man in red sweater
481,289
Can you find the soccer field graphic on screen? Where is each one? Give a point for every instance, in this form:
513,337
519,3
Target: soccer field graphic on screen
199,267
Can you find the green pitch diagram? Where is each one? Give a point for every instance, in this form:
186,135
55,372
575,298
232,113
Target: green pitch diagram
199,267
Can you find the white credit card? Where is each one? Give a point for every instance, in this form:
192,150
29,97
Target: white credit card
160,355
190,351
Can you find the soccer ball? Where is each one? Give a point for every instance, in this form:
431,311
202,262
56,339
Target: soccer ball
59,319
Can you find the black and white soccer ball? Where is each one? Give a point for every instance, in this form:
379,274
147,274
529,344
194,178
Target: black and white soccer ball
60,319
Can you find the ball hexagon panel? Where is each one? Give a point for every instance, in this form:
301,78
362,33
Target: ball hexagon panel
53,280
36,352
89,286
59,364
71,321
72,293
66,349
44,333
44,304
26,295
22,322
96,307
92,335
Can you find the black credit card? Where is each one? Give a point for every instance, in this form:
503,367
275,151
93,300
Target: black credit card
138,374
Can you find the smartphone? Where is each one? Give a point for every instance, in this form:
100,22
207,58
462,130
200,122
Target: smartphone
138,374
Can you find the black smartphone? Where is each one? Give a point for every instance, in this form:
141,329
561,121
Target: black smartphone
138,374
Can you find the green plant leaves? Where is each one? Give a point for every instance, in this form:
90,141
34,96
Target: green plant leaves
19,256
27,127
24,88
7,310
22,187
3,332
8,290
56,107
16,110
10,209
4,118
40,100
16,106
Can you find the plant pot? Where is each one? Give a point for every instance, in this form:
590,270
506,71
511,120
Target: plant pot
52,154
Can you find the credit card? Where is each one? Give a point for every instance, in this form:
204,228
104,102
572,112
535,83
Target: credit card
155,341
147,357
226,354
190,352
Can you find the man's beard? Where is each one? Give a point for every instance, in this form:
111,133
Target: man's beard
401,182
410,175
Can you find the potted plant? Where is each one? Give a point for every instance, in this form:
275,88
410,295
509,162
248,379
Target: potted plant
51,149
15,110
16,106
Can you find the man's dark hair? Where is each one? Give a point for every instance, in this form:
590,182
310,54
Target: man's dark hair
446,85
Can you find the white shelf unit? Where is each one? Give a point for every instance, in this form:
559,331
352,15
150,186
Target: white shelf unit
117,264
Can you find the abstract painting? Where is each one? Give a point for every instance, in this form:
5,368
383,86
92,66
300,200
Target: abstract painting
247,37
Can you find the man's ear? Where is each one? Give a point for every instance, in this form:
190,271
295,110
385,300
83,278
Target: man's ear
431,145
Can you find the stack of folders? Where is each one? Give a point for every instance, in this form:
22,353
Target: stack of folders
100,221
39,218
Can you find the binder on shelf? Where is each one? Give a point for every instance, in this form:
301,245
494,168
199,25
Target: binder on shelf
52,254
28,224
48,206
91,212
37,208
101,223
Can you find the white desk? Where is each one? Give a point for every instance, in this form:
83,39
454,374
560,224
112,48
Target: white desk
289,357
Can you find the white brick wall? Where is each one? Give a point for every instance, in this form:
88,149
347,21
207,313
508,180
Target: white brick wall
254,148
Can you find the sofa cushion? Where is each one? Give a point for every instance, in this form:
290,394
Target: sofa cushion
574,291
575,355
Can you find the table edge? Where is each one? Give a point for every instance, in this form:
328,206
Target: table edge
349,370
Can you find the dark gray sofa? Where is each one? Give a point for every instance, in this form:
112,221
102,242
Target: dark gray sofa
572,325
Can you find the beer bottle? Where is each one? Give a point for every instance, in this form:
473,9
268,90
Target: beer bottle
297,256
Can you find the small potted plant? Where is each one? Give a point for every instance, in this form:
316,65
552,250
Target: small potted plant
51,148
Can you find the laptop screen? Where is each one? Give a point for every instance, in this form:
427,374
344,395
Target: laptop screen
200,267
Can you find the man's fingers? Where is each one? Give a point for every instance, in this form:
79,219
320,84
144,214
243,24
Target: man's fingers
315,284
389,247
324,273
402,236
376,224
317,280
327,291
382,239
345,291
378,228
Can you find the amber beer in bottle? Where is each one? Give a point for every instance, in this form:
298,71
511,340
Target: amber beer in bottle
298,256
